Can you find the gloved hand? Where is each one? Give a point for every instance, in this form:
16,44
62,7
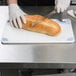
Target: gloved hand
16,15
61,5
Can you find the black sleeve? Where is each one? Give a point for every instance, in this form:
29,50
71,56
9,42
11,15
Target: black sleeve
36,2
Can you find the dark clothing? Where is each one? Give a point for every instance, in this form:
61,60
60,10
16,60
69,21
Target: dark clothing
36,2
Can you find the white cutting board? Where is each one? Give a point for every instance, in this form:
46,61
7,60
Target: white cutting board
71,13
13,35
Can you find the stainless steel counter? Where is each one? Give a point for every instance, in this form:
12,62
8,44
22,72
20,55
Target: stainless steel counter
40,55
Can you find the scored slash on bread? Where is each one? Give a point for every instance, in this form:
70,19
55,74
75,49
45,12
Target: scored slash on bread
47,26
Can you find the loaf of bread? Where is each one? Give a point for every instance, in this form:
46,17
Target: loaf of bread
47,26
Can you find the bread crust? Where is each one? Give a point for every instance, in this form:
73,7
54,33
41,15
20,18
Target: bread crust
47,26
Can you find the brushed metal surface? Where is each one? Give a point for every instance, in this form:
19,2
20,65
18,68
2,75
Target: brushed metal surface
64,74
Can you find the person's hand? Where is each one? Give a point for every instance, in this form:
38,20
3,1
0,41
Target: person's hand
16,15
61,5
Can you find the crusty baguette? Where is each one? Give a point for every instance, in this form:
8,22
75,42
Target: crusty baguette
47,26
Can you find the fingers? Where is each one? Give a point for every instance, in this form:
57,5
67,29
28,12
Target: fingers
23,19
11,23
62,5
17,22
16,16
57,9
60,9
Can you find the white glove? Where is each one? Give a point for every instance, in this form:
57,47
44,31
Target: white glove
16,15
61,5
